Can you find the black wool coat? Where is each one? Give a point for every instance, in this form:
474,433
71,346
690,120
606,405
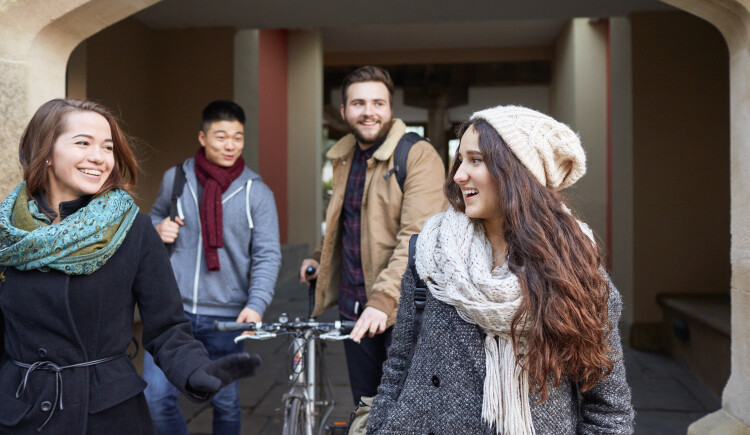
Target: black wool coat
64,319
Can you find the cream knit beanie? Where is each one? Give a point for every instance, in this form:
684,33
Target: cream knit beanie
548,148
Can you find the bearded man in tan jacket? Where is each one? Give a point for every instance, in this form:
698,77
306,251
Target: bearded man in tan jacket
369,222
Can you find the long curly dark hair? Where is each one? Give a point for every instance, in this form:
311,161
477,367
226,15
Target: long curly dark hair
565,294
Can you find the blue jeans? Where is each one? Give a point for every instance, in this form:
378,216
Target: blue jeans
162,396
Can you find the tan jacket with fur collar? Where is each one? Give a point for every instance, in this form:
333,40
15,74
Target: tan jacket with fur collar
389,218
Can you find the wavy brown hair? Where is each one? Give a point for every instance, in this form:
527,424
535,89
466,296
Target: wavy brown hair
48,123
565,295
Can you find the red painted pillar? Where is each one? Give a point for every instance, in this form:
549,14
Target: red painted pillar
272,120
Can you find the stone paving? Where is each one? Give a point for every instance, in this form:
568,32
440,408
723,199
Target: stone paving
666,397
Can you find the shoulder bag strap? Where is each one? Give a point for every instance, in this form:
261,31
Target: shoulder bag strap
400,154
177,187
420,299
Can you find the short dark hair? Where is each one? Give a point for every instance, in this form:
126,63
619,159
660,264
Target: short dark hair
367,74
221,110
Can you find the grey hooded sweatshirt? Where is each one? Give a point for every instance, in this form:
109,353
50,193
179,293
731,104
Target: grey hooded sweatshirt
250,258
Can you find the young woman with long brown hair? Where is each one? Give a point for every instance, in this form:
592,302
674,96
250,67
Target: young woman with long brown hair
519,332
75,258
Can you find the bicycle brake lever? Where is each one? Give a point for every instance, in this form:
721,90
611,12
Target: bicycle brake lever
259,335
334,336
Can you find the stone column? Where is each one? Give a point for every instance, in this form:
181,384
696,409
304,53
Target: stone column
732,18
36,39
578,97
437,124
621,106
305,96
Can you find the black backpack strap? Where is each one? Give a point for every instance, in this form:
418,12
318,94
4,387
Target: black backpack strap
177,187
420,300
400,155
420,292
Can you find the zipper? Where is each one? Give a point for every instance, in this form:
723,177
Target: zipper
199,252
223,201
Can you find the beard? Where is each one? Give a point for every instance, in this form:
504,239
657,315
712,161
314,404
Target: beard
368,139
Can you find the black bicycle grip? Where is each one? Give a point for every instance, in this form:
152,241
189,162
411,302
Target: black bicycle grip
311,291
233,326
347,325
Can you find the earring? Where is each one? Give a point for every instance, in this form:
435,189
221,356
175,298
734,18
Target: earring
47,162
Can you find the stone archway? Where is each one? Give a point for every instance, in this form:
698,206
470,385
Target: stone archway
37,39
732,18
38,36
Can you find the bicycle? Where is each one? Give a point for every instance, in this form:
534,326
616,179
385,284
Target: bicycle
306,401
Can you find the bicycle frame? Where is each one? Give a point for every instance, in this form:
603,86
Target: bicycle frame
304,377
305,372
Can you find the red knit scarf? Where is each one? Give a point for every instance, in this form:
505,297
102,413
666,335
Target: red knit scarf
215,181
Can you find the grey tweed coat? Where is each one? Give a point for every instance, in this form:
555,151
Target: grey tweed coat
443,390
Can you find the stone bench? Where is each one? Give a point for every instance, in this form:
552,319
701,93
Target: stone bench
697,330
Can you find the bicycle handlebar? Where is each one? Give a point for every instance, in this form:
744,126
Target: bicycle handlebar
294,326
311,291
233,326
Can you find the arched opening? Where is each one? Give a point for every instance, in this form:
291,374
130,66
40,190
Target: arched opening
670,248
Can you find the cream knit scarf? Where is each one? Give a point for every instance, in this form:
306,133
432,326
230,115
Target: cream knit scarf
455,260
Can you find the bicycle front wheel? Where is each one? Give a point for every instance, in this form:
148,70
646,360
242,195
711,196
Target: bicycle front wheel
295,419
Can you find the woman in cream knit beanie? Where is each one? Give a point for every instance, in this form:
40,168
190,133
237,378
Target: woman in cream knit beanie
520,317
548,148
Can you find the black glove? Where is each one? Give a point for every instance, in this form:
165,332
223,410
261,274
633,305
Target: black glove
221,372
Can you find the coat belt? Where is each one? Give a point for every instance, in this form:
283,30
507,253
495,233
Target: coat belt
52,367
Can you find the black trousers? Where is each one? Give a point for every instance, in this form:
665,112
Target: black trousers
365,363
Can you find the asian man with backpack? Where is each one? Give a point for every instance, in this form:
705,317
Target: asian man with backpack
218,220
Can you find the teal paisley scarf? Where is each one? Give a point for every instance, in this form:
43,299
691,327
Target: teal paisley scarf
78,245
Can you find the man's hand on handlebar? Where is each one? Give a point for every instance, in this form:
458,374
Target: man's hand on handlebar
304,277
371,322
248,315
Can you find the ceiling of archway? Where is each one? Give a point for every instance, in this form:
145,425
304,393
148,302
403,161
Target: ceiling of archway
349,25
